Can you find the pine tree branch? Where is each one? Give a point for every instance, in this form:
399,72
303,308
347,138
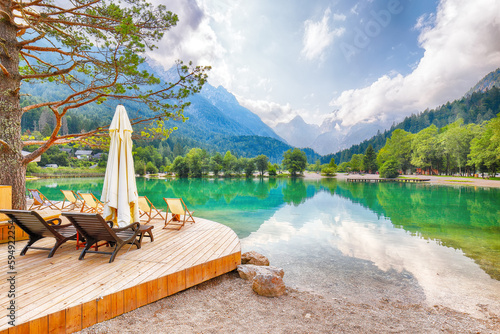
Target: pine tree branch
5,145
4,71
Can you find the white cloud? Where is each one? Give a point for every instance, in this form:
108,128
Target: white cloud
273,113
354,10
270,112
318,36
193,38
425,21
339,17
460,48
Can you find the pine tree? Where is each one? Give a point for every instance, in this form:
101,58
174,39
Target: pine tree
370,160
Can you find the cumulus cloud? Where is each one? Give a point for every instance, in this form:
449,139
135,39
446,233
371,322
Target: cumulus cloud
273,113
461,45
194,39
318,36
270,112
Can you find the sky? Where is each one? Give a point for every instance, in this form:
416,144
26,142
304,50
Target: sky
346,61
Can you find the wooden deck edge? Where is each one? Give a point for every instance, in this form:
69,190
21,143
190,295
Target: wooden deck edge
4,233
81,316
377,180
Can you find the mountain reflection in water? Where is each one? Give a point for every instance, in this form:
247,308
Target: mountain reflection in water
446,238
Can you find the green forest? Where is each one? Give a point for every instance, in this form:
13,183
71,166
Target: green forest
456,148
460,137
168,159
475,108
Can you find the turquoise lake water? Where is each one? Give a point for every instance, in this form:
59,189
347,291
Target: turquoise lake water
418,242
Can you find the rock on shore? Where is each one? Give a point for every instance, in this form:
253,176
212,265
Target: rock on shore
266,280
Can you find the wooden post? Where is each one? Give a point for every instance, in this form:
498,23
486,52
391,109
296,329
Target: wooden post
6,203
5,200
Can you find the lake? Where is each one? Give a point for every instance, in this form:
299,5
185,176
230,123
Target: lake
367,242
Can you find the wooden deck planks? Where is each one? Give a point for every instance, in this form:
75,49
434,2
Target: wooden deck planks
62,291
94,283
120,275
177,256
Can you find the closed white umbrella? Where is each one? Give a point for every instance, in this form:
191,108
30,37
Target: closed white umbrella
119,192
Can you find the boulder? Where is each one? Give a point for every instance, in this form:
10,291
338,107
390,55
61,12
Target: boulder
254,258
268,285
249,271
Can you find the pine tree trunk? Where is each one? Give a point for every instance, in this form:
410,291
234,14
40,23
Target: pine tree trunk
12,169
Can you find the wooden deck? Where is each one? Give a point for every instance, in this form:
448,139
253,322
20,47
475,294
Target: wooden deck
64,295
376,180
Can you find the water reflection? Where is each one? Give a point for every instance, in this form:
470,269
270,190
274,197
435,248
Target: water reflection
351,237
463,218
321,241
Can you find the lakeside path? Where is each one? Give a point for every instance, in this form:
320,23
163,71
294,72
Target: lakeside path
442,180
227,304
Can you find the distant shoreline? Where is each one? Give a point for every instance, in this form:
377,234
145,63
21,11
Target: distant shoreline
440,180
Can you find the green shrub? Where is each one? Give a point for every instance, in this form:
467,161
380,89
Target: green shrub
151,168
180,167
271,170
328,171
140,167
389,169
32,167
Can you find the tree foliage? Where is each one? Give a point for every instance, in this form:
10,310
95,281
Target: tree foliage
356,163
475,107
370,160
94,50
424,147
228,163
455,148
216,163
485,148
180,167
390,169
261,162
330,169
398,147
295,161
196,160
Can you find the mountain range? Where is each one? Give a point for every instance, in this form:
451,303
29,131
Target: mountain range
477,106
215,112
326,138
217,122
329,137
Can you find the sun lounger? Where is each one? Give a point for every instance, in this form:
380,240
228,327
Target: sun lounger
94,229
71,200
177,208
91,204
38,228
146,208
41,202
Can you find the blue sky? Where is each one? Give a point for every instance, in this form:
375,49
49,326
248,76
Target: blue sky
347,61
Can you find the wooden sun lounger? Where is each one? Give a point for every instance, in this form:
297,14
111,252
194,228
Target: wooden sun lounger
41,202
178,208
38,228
147,209
94,229
91,204
71,200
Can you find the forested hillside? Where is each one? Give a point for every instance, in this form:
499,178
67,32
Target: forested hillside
474,108
215,122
